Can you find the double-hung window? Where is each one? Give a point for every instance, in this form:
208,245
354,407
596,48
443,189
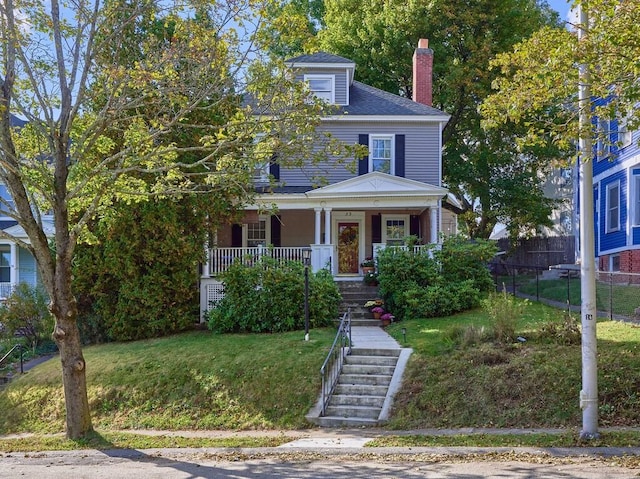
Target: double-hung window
394,229
257,233
613,207
5,263
381,153
636,200
322,87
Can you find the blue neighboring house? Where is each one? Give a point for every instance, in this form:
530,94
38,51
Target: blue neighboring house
616,184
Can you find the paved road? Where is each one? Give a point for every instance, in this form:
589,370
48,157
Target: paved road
271,463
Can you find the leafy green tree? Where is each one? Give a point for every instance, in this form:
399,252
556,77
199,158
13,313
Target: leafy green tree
537,86
489,172
25,313
102,116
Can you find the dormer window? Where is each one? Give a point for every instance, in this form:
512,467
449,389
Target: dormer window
322,87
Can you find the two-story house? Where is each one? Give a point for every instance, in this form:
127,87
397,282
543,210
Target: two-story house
616,183
397,190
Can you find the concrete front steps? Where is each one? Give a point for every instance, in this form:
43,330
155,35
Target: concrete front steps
354,295
362,396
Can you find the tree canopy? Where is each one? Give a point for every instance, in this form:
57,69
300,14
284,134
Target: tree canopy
491,175
119,100
538,79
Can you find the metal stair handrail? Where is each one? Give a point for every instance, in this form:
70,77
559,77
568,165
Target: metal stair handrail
332,366
21,348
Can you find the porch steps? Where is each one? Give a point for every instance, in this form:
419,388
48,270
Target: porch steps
362,389
354,295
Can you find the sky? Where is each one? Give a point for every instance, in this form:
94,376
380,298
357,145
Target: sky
561,6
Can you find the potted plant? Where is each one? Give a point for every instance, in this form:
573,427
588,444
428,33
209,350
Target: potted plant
371,278
374,302
368,265
377,311
387,319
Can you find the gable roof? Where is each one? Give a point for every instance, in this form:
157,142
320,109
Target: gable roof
378,184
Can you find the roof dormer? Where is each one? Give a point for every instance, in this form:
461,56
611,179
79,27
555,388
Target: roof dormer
328,76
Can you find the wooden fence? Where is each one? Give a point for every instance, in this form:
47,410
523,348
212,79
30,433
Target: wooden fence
538,252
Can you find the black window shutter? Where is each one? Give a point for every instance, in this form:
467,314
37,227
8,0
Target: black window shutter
363,163
414,225
236,236
376,229
274,168
276,231
400,155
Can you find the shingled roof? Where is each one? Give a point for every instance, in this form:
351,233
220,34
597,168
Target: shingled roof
320,57
368,100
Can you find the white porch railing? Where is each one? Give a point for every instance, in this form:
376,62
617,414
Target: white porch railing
219,259
6,289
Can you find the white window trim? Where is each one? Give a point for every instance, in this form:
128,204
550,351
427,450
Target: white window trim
331,78
611,259
608,228
392,160
385,218
267,232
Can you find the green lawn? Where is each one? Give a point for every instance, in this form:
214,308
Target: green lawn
199,380
531,384
623,299
195,380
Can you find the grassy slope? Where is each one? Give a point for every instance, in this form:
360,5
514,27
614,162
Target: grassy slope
191,381
533,384
203,381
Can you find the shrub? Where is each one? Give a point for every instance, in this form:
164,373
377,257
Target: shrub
462,259
438,300
504,310
565,333
25,313
139,278
434,282
268,296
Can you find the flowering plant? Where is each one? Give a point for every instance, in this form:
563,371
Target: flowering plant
387,317
374,302
378,309
368,262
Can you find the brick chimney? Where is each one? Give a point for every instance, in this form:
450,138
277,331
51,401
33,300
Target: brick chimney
423,73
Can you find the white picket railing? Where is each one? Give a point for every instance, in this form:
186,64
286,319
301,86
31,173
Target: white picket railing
6,289
221,258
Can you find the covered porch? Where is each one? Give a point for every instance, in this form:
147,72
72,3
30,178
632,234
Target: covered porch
341,225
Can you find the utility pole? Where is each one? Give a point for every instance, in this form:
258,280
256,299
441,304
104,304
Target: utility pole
589,392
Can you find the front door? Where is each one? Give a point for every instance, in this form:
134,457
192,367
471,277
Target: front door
348,247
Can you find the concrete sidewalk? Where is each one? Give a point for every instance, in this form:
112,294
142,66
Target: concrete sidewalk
372,337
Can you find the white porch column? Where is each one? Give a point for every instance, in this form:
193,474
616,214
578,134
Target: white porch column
327,226
433,224
13,271
317,230
206,267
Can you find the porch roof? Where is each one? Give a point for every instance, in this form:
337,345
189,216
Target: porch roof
372,190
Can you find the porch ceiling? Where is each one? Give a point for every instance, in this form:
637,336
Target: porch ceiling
373,190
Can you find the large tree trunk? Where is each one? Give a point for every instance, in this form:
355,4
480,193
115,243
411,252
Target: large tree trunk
67,337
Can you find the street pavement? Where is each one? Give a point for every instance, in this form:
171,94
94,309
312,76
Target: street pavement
320,453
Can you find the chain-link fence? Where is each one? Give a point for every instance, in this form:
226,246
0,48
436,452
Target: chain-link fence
617,294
